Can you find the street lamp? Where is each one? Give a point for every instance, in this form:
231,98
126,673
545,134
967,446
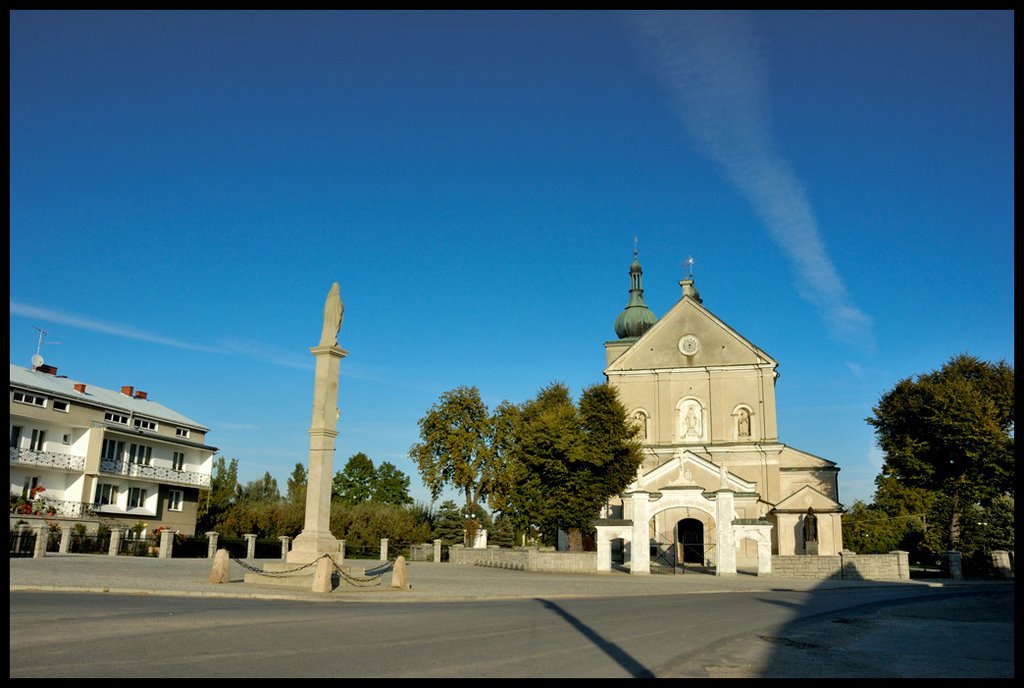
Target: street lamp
469,513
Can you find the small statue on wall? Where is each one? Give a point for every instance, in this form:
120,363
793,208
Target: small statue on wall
743,424
692,421
640,418
810,526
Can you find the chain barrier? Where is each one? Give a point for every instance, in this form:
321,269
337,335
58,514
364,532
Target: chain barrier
373,578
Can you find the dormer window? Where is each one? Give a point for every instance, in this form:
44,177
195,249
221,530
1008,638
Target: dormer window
143,424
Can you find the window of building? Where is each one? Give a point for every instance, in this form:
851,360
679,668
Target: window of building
38,440
106,494
178,462
112,449
67,439
182,432
140,454
33,399
143,424
175,499
136,497
15,436
29,485
61,405
112,417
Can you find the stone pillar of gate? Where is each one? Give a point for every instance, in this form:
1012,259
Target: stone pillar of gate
725,541
640,548
604,550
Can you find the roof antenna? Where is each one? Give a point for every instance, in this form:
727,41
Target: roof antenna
37,359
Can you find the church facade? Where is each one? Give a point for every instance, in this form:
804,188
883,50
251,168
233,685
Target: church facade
717,488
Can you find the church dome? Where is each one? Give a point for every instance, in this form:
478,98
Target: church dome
636,318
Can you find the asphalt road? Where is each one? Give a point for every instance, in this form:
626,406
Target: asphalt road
844,632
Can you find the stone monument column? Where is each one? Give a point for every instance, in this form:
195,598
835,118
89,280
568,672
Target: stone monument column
316,539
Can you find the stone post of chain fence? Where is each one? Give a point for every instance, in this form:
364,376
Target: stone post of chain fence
166,544
115,541
42,536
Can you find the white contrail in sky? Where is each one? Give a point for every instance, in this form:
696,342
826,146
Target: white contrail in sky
250,349
718,82
117,330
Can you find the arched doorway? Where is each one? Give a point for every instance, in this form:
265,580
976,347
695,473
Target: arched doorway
690,536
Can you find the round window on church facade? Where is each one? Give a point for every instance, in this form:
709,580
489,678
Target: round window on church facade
689,345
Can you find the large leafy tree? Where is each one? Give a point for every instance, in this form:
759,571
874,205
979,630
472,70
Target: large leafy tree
261,490
456,449
950,433
293,514
575,458
391,486
222,495
354,483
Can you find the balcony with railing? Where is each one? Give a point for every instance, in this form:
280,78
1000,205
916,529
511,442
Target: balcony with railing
76,464
157,474
49,506
46,459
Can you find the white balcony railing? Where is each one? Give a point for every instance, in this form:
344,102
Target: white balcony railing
67,462
76,464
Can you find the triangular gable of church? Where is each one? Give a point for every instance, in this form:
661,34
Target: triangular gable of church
790,457
686,469
719,344
805,497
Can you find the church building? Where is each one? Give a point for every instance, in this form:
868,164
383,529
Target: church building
717,488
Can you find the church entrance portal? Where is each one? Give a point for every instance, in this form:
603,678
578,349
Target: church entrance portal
690,539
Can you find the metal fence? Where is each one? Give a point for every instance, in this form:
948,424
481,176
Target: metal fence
23,543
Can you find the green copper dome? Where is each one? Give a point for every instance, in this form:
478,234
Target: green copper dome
636,318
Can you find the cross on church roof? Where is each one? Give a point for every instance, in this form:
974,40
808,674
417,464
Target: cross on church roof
689,264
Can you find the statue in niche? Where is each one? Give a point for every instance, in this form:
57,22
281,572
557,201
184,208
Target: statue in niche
334,311
810,526
641,423
743,424
692,421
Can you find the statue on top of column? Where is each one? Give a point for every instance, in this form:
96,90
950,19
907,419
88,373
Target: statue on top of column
334,311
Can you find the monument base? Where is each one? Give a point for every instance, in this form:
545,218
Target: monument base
811,548
308,548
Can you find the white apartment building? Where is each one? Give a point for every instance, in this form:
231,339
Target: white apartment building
85,454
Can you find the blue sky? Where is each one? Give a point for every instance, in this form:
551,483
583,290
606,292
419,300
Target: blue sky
186,186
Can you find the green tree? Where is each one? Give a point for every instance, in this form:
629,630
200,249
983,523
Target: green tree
293,515
354,484
448,524
363,525
950,432
297,485
577,457
261,490
549,446
221,496
502,535
611,455
456,450
391,486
